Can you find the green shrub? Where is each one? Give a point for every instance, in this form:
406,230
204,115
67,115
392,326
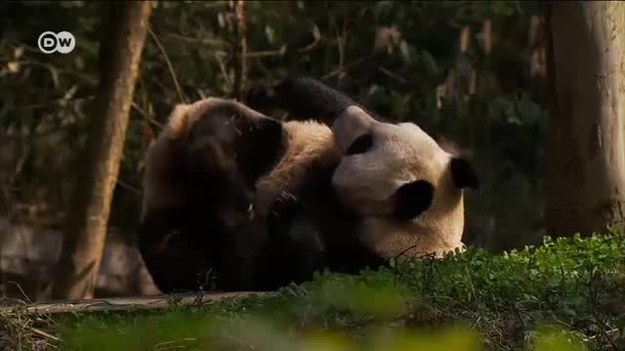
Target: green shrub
561,295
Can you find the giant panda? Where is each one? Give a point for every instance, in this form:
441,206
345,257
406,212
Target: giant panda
264,202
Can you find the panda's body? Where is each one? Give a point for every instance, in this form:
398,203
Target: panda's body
256,212
261,203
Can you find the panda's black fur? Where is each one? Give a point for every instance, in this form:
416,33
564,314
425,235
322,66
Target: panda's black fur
187,243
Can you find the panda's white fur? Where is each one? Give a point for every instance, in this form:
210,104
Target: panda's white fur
431,234
403,153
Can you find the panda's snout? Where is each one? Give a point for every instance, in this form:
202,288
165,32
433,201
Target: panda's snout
412,199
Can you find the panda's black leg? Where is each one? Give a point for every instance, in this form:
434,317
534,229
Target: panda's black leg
172,263
294,249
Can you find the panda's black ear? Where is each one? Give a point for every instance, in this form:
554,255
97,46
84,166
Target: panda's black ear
463,174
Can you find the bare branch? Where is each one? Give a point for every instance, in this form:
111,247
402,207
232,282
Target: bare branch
169,65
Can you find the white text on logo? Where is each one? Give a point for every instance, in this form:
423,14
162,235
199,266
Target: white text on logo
62,42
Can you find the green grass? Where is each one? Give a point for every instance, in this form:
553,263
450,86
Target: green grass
567,294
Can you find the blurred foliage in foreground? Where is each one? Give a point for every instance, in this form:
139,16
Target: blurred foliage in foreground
567,294
468,70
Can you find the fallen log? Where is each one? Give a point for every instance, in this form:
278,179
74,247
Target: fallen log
126,303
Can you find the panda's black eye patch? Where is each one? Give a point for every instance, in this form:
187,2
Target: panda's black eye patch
360,145
412,199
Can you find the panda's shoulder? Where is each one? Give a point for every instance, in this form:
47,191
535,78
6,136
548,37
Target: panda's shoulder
308,132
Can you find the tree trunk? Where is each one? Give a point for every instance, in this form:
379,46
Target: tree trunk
87,220
586,153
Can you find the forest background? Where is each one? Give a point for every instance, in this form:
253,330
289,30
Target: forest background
473,72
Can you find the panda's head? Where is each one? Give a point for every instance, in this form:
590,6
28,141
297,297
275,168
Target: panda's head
396,170
392,170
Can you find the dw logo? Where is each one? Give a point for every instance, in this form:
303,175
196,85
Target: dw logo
62,42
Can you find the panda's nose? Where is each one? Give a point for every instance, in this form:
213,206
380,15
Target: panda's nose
412,199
